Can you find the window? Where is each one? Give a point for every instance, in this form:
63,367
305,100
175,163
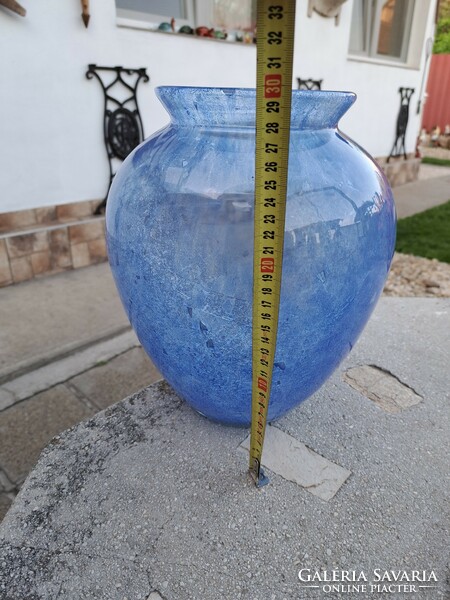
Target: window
231,16
381,28
148,13
227,15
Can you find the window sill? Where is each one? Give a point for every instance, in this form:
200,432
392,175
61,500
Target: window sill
152,28
380,61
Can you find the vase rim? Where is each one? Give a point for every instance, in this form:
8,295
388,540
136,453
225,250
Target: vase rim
249,90
208,106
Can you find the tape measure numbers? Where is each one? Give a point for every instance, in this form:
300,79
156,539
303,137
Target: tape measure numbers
275,44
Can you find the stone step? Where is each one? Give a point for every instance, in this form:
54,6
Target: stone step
32,218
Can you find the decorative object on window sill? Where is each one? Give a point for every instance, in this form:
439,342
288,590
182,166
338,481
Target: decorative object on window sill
179,224
14,6
217,34
167,26
203,31
85,12
220,35
326,8
309,84
245,36
122,123
402,122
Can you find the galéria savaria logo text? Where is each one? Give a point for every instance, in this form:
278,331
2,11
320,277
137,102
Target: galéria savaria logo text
378,581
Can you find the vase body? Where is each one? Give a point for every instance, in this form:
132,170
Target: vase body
180,242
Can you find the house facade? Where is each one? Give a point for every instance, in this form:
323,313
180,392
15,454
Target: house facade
51,127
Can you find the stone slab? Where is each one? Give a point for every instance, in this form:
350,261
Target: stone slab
85,307
381,387
26,428
123,375
61,370
294,461
149,497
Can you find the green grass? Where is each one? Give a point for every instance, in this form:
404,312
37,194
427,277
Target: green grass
426,234
441,162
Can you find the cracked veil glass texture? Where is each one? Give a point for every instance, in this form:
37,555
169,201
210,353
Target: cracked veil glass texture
180,241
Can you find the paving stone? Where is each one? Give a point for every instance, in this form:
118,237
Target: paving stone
27,427
85,307
5,503
410,198
388,392
6,399
294,461
45,377
5,484
123,375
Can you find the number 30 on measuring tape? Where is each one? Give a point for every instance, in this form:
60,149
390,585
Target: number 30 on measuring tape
275,42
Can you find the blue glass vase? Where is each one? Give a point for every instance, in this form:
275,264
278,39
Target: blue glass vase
180,241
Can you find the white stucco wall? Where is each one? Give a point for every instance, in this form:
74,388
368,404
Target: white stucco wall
51,145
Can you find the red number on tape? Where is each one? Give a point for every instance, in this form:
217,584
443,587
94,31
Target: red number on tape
267,265
272,86
262,384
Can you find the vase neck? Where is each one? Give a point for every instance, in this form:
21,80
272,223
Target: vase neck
235,107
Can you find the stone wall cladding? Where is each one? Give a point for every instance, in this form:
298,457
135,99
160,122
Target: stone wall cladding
43,241
399,171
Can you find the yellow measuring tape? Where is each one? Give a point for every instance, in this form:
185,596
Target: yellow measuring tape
275,45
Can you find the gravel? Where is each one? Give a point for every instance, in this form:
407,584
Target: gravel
417,276
414,275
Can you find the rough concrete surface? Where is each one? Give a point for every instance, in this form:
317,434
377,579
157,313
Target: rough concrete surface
118,368
150,498
88,295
